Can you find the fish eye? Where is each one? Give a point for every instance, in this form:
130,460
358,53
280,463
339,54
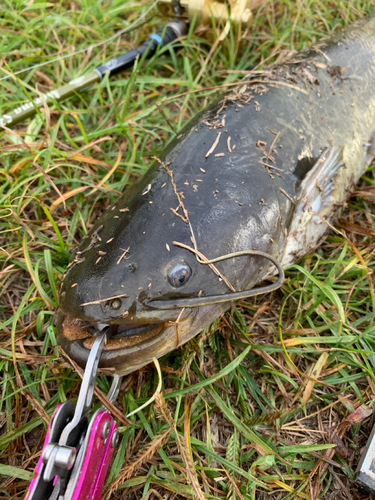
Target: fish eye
179,275
115,304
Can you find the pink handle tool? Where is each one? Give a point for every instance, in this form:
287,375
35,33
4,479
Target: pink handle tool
76,455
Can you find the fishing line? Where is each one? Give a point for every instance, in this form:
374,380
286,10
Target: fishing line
60,58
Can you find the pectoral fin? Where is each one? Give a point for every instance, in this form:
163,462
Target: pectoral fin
321,194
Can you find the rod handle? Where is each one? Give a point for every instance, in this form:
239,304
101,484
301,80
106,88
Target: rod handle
164,36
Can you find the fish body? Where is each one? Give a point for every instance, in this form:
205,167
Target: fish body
265,168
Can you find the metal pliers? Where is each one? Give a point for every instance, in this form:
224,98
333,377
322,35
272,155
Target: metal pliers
76,454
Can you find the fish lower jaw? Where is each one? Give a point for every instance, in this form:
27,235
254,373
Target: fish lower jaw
130,349
120,342
121,336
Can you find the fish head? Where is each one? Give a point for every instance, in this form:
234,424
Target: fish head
126,262
136,273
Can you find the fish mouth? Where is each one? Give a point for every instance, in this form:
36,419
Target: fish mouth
119,336
130,346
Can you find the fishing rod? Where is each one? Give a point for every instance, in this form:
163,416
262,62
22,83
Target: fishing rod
164,36
202,11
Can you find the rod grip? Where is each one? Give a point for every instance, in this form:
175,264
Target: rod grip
163,37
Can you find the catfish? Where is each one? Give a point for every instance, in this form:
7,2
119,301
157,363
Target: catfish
254,181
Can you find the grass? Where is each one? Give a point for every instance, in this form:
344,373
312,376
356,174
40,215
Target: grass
239,419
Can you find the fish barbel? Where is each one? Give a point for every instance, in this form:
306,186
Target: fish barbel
264,168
